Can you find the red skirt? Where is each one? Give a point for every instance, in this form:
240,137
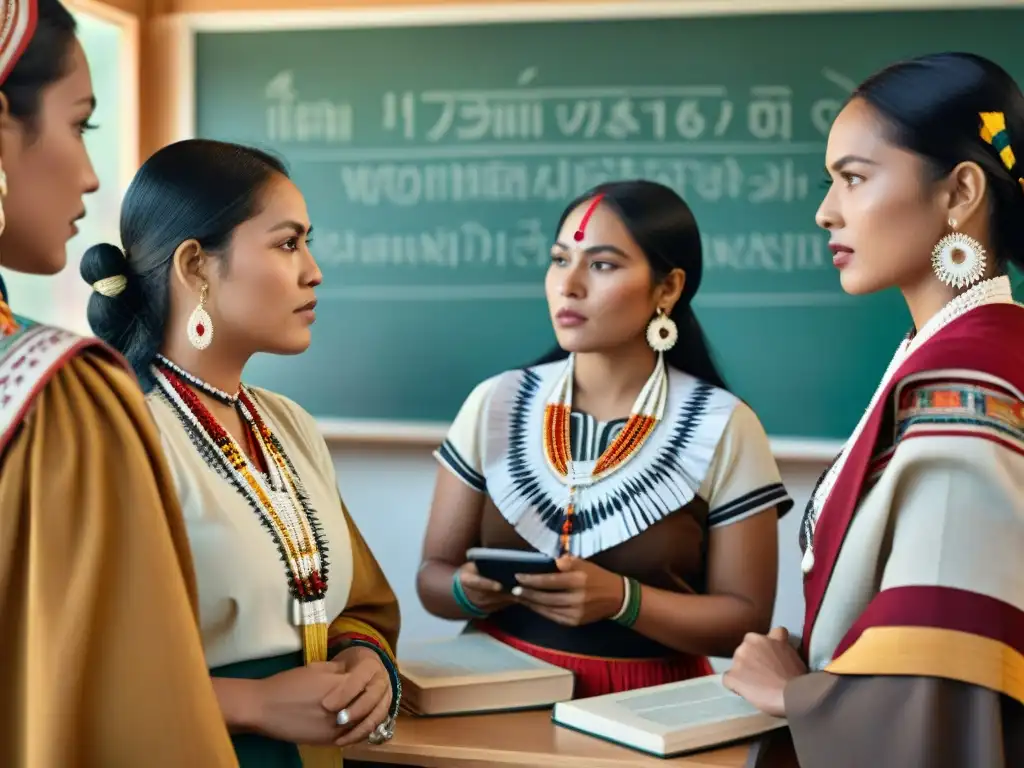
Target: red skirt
596,676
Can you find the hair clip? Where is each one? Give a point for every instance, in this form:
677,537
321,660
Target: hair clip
111,286
993,131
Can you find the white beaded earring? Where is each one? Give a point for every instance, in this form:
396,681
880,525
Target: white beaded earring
200,324
958,260
662,332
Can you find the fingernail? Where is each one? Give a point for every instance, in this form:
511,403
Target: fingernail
517,591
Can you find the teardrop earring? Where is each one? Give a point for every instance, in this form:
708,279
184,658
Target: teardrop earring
200,324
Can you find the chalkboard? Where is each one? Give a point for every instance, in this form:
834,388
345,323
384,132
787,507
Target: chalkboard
435,161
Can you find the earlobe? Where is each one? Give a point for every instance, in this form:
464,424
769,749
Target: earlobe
671,289
189,263
970,186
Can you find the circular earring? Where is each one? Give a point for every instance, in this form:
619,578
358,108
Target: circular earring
200,324
662,332
958,260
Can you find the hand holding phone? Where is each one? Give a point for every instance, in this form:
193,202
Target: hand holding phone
486,594
502,565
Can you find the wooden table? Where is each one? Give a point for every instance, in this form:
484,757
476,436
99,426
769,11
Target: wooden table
518,739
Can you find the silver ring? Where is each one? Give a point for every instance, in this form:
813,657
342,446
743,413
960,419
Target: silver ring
343,717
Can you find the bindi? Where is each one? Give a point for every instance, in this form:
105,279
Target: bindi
581,232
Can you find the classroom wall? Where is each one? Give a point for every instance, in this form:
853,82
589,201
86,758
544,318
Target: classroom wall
388,487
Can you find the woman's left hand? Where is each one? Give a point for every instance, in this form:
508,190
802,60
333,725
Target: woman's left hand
580,593
365,695
761,667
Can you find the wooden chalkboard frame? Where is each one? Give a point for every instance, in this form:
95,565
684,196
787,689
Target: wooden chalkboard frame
179,33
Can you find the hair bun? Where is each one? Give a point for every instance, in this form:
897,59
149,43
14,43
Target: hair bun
105,268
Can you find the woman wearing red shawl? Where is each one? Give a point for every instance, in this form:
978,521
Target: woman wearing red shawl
914,628
102,663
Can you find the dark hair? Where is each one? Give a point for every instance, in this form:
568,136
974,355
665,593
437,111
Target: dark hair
44,62
666,230
194,189
932,107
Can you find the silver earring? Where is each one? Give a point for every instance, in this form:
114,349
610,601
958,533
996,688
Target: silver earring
958,260
200,324
662,332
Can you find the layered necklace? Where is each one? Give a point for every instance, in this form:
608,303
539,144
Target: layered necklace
275,495
647,412
994,291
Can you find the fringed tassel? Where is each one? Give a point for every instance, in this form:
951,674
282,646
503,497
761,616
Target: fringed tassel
314,649
314,642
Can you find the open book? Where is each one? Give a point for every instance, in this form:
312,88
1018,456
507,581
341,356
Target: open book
668,720
474,673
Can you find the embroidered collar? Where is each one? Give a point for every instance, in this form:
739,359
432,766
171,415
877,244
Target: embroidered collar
663,476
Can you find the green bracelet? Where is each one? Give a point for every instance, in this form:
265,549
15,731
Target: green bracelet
463,601
631,603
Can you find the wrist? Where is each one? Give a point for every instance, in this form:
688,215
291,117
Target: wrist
462,600
242,703
628,610
351,654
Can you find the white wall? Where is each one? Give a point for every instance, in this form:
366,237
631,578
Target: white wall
388,492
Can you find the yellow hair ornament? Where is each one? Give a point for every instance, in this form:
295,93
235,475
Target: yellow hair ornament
993,131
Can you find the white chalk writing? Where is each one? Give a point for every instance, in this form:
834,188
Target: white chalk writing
619,113
292,120
766,251
499,181
466,245
472,245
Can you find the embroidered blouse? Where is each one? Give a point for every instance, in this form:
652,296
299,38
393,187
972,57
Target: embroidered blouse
245,608
707,465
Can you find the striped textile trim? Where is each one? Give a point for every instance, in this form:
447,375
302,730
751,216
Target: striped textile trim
448,455
749,504
961,408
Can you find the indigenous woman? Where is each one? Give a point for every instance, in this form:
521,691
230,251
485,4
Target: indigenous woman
621,455
101,658
914,630
215,268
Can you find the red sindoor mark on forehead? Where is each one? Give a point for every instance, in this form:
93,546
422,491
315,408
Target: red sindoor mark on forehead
586,217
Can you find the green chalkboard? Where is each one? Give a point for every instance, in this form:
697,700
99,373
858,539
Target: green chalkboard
435,161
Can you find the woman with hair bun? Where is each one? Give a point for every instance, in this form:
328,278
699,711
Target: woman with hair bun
101,662
299,623
913,638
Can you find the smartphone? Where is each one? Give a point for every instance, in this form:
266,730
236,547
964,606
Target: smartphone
502,565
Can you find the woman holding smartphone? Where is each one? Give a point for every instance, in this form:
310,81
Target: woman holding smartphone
623,457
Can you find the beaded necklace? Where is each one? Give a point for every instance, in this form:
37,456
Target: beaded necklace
647,411
217,394
277,497
994,291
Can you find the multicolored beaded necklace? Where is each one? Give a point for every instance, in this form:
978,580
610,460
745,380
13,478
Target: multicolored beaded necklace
645,415
276,495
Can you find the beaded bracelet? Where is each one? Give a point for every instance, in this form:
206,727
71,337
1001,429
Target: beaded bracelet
463,600
630,610
396,680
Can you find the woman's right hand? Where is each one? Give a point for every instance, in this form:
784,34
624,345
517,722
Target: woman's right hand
485,594
288,706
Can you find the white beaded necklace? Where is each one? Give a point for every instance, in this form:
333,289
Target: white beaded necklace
994,291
